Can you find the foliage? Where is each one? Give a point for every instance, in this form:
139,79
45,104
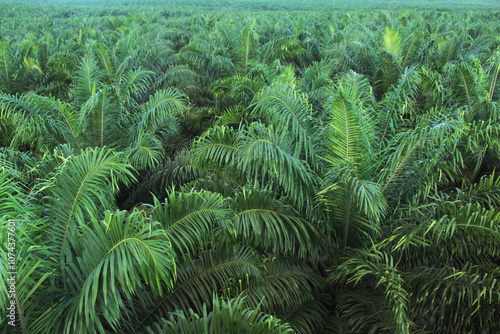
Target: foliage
238,167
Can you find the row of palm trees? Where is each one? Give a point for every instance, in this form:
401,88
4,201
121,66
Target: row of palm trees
214,173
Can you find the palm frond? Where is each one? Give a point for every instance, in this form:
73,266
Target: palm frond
85,184
146,151
286,283
267,150
173,173
40,121
267,224
227,316
198,279
87,81
344,134
192,219
309,316
220,146
392,41
397,101
249,39
119,255
158,114
380,271
280,105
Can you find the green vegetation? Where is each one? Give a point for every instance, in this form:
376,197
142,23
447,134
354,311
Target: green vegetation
250,167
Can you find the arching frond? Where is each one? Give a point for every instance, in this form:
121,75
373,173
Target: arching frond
198,279
267,224
134,83
280,105
379,271
145,151
119,255
85,184
226,316
220,146
267,150
192,219
87,81
157,115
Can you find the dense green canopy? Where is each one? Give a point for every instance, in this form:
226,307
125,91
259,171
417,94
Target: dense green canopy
263,168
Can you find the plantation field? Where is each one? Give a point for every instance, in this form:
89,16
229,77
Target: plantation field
249,166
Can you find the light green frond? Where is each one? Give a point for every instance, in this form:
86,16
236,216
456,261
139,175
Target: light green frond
344,133
392,41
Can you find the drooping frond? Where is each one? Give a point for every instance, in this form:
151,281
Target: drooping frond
120,255
464,83
267,224
5,68
450,298
397,159
173,173
267,150
399,100
281,106
192,219
198,279
226,317
377,269
316,79
285,283
84,186
10,199
40,121
309,316
493,76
